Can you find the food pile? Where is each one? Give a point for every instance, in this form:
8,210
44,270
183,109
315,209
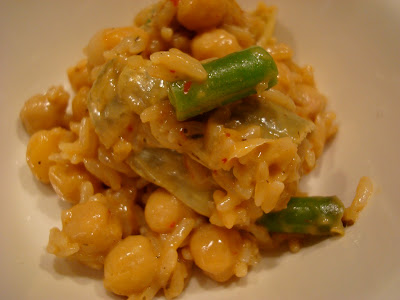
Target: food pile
183,146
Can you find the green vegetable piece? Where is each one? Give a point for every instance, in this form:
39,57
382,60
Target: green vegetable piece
230,78
109,115
308,215
274,120
121,90
166,168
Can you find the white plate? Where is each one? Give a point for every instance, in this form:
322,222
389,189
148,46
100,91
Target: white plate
354,47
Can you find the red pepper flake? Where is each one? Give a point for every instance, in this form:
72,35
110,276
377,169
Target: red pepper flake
215,172
175,2
224,160
227,134
172,71
186,87
129,128
172,225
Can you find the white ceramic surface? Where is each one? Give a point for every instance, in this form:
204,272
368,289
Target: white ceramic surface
354,47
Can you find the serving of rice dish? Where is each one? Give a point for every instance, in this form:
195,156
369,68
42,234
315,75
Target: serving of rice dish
168,165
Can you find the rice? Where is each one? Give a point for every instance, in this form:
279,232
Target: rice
146,238
363,193
175,61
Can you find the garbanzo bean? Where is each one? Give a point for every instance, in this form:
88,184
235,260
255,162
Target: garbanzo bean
130,266
163,211
78,75
104,40
92,226
66,180
215,250
214,43
201,14
45,111
41,145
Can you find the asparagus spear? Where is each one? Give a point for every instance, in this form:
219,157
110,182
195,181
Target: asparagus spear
230,78
309,215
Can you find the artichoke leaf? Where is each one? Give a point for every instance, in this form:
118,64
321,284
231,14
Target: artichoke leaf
167,168
122,90
274,120
109,114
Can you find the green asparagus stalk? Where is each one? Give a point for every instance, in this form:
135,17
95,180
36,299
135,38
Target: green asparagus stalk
230,78
308,215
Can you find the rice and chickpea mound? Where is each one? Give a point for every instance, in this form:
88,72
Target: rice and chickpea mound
152,196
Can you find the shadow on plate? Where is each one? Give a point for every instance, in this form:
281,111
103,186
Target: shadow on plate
22,135
270,259
46,199
62,269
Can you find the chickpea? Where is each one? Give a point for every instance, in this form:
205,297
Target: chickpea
41,145
215,250
104,40
163,211
45,111
201,14
131,266
214,43
78,75
92,226
67,179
